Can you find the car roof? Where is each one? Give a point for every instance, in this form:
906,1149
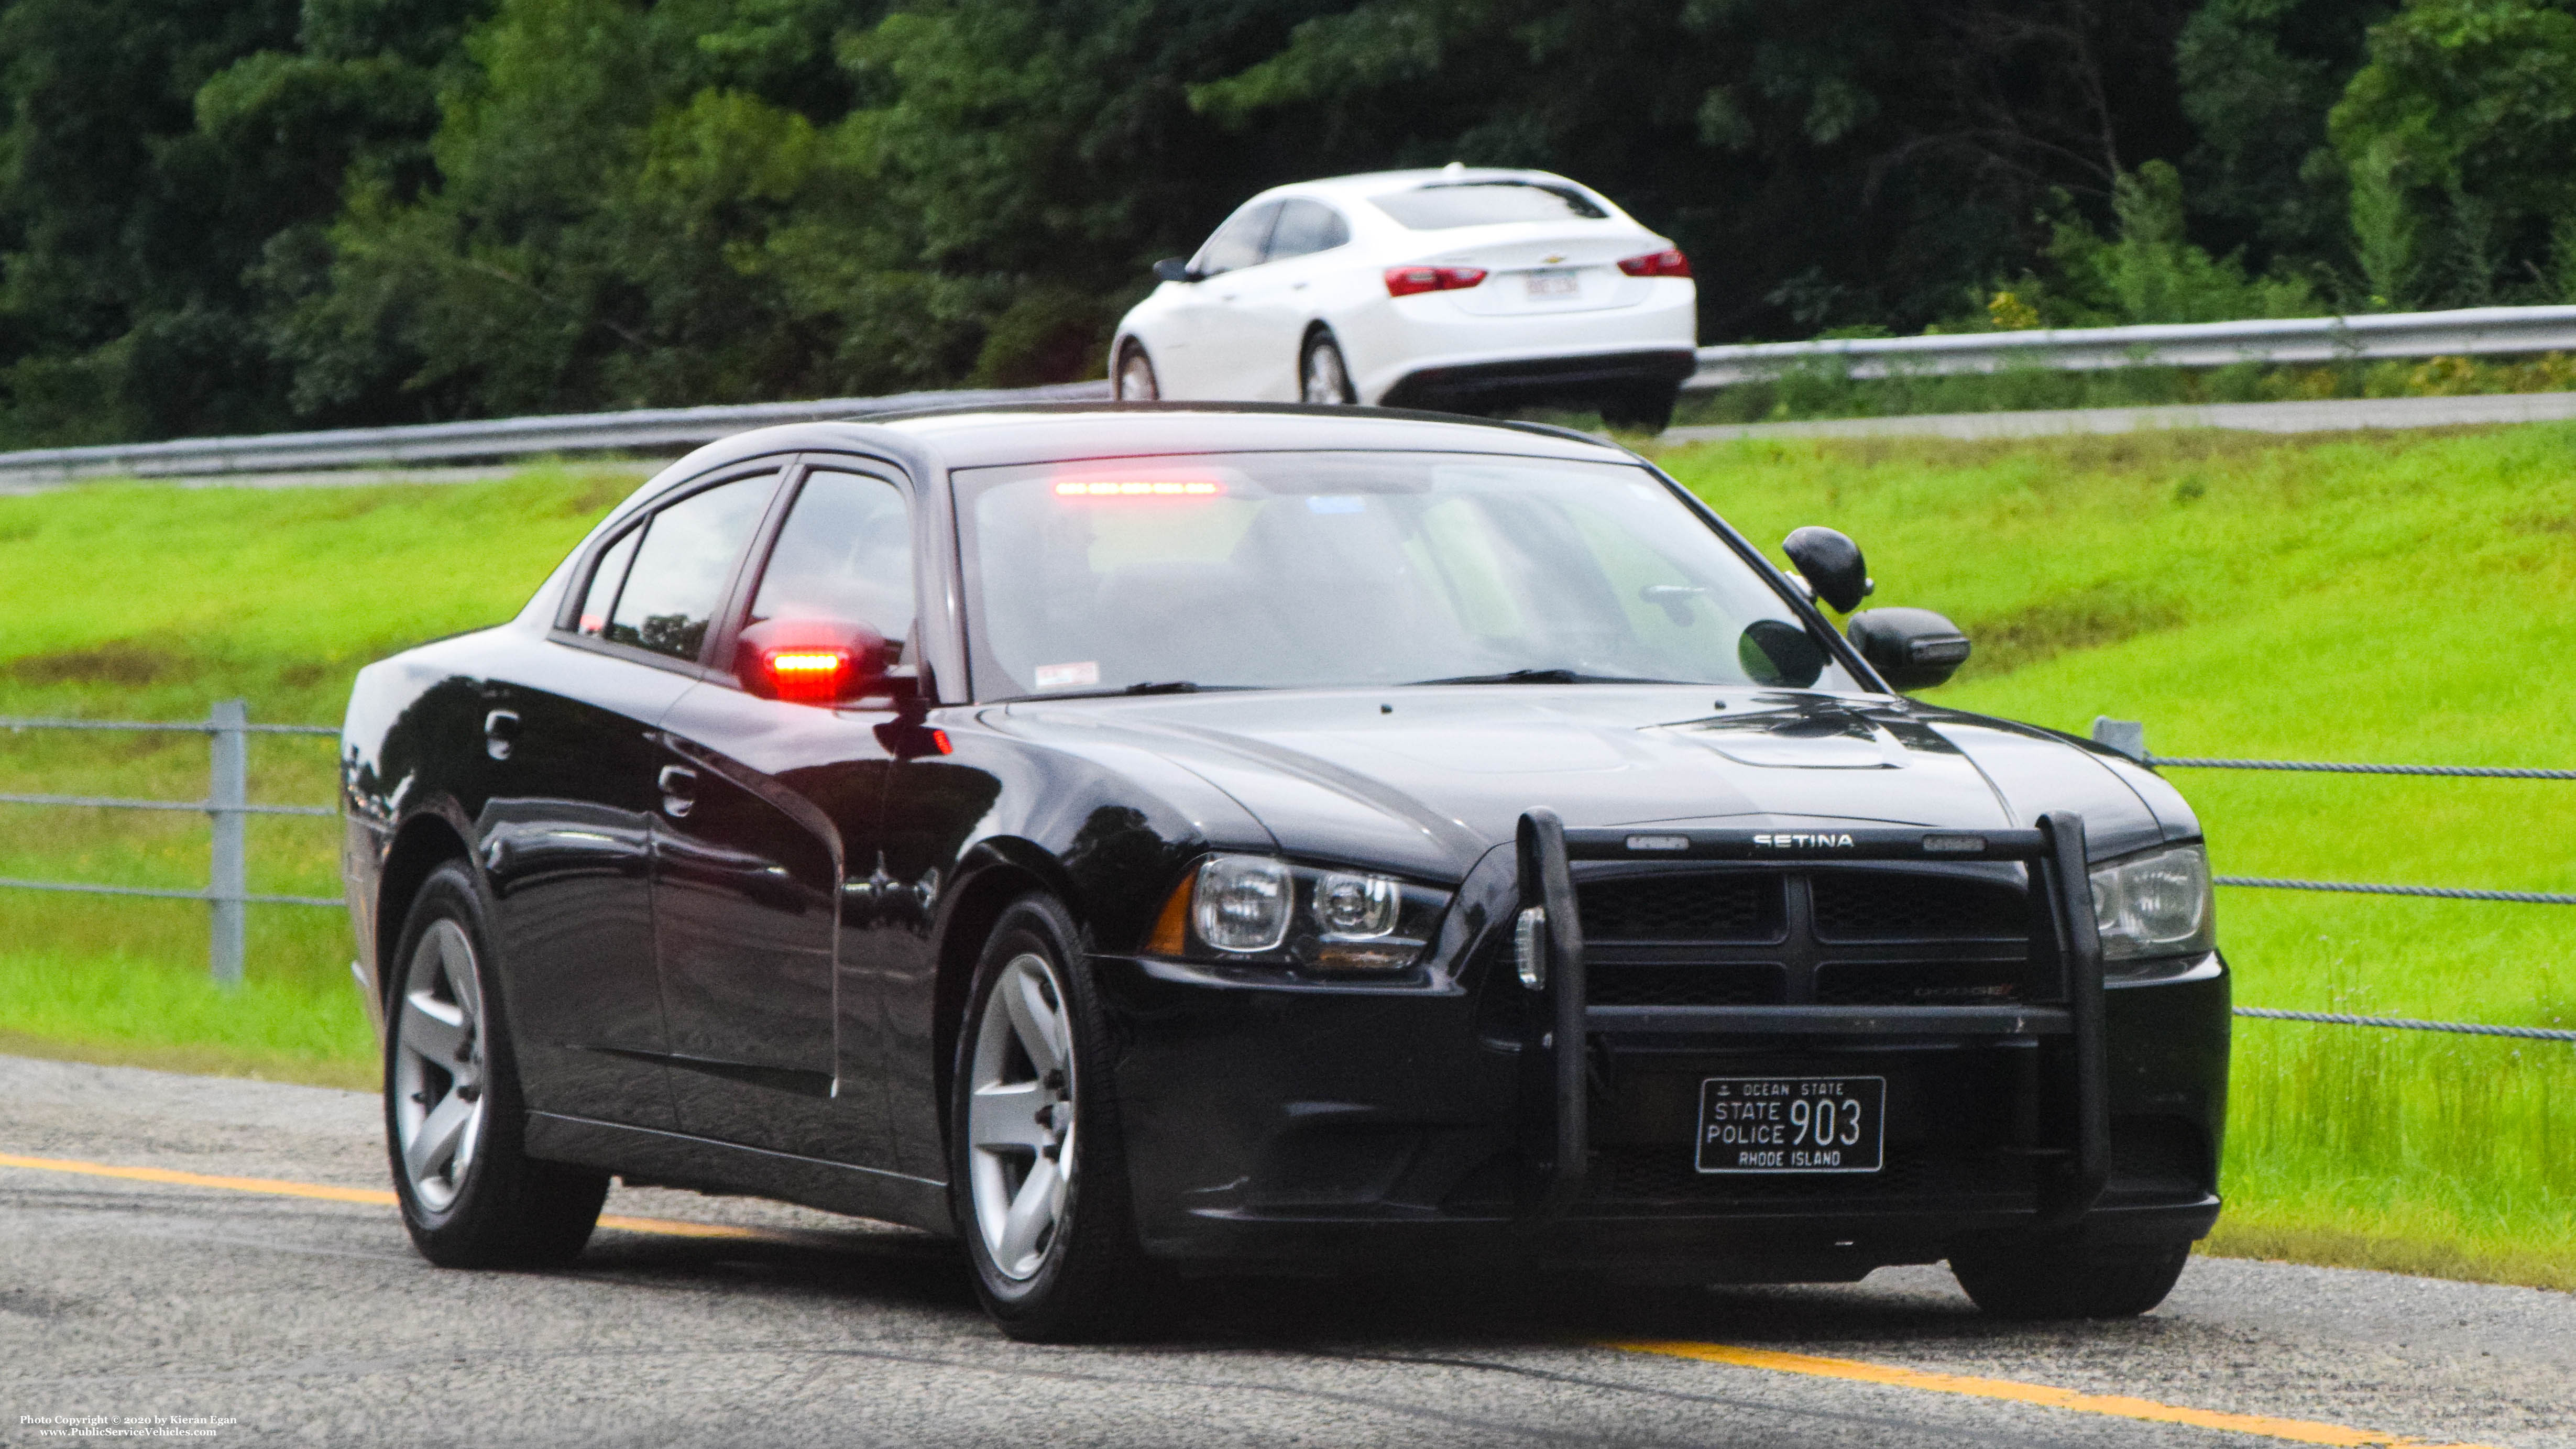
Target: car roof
1381,183
990,436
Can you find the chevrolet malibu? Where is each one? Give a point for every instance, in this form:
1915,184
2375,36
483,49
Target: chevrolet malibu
1471,290
1153,840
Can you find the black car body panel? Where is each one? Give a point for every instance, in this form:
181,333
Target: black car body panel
735,931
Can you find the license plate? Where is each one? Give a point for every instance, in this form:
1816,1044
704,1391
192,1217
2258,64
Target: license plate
1792,1124
1554,284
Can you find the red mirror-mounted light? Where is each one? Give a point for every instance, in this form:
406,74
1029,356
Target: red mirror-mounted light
811,661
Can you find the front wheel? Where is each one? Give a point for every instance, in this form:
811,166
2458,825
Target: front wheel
2057,1280
1035,1151
455,1127
1323,377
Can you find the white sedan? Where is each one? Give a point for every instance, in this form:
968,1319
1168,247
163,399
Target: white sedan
1462,289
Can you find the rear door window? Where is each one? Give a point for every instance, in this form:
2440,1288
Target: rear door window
1485,203
683,565
1306,227
1239,243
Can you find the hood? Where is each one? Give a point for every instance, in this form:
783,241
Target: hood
1425,780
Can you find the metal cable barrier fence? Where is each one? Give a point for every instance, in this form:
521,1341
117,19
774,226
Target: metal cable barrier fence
227,805
2129,737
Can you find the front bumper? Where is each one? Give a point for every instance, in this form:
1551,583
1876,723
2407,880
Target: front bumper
1295,1128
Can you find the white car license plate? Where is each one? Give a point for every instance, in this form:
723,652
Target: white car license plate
1792,1124
1554,284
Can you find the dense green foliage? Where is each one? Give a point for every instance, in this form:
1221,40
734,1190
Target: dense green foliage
233,215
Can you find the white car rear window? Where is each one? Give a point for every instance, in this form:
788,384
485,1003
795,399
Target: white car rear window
1484,203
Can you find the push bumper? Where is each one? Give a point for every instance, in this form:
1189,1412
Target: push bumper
1302,1127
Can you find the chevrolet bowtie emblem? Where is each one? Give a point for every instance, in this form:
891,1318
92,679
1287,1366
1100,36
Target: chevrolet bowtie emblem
1551,259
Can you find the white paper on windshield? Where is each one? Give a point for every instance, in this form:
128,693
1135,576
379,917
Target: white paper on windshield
1068,676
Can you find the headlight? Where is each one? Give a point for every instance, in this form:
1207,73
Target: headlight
1275,913
2156,904
1243,904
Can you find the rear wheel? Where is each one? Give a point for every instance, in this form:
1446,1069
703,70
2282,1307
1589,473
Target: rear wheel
2053,1280
1323,377
1647,408
1035,1148
455,1127
1136,382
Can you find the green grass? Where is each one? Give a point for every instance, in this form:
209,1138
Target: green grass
148,602
2398,597
1827,389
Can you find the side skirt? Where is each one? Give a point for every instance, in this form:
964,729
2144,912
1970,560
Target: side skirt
675,1157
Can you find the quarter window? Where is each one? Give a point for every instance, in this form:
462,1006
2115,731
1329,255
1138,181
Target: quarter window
682,566
604,583
845,554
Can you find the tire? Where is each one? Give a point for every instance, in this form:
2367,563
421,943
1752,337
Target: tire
2040,1281
1323,376
1135,381
455,1124
1645,409
1062,1266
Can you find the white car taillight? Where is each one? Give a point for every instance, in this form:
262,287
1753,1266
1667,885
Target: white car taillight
1665,263
1405,281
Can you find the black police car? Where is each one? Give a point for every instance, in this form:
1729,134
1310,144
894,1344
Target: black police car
1247,839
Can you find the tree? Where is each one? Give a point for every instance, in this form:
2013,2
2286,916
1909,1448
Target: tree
2460,138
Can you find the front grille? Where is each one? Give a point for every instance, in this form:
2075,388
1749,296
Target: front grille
1933,983
1833,937
1903,906
1681,907
1697,984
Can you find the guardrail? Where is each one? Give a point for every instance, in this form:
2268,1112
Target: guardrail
2475,330
227,804
2129,737
644,428
2467,331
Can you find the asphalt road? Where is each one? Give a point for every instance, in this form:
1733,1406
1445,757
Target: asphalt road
274,1318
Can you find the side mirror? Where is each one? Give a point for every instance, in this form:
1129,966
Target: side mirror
811,661
1174,269
1910,648
1831,564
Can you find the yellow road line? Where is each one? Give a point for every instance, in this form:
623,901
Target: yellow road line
374,1197
2296,1431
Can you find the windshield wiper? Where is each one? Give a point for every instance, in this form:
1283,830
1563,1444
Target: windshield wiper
1157,686
1548,676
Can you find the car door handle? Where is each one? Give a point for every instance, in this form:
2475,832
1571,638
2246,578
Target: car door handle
679,790
500,731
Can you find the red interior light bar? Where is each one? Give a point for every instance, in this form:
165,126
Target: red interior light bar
1132,488
1406,281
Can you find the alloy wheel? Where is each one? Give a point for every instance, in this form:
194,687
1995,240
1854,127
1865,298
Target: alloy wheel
1326,379
1136,377
439,1057
1019,1118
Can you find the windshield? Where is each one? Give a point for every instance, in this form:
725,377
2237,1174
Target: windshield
1274,570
